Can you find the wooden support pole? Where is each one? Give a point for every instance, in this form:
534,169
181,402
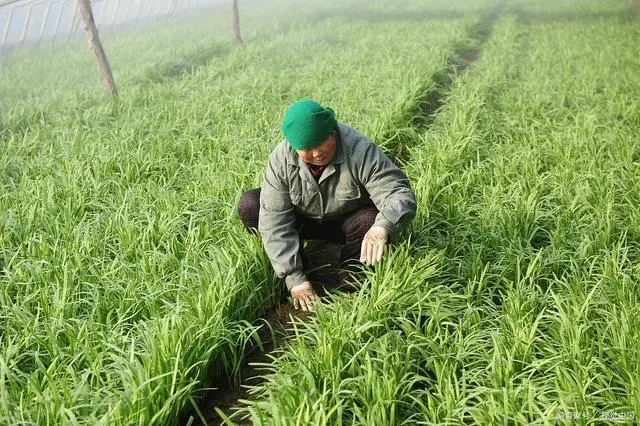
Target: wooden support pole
91,31
236,21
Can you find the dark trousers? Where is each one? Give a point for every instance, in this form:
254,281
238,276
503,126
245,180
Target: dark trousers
348,230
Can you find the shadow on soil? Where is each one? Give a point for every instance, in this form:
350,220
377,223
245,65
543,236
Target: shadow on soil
425,111
225,391
185,64
190,63
534,17
463,57
275,330
390,16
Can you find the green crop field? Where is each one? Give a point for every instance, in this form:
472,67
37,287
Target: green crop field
127,281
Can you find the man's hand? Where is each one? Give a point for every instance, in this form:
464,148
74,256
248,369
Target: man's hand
373,245
303,296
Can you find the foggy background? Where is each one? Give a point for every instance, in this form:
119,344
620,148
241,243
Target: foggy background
149,41
29,22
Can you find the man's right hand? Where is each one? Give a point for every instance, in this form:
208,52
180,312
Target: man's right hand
303,296
373,245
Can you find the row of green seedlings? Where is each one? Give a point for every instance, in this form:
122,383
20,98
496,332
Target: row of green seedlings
38,82
128,278
514,300
369,358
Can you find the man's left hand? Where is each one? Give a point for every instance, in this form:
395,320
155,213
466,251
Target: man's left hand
303,296
373,245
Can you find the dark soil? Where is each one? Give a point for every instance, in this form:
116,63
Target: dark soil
226,396
463,58
274,333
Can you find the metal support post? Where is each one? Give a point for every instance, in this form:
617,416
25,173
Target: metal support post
127,13
6,30
44,22
137,17
115,13
57,29
75,21
26,24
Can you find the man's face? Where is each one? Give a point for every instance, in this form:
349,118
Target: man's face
321,154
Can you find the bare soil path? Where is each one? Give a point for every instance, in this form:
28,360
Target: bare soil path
275,331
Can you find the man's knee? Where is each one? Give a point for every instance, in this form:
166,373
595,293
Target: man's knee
360,222
355,227
368,217
249,209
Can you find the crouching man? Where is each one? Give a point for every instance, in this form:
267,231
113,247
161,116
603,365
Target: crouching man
325,181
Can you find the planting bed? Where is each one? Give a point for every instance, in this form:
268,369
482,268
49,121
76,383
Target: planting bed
128,284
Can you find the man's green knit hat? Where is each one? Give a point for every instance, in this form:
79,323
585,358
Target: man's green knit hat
307,124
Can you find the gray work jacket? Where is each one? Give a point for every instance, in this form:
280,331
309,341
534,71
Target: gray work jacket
359,173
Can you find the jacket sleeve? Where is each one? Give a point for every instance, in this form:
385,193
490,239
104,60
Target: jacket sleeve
389,189
276,224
